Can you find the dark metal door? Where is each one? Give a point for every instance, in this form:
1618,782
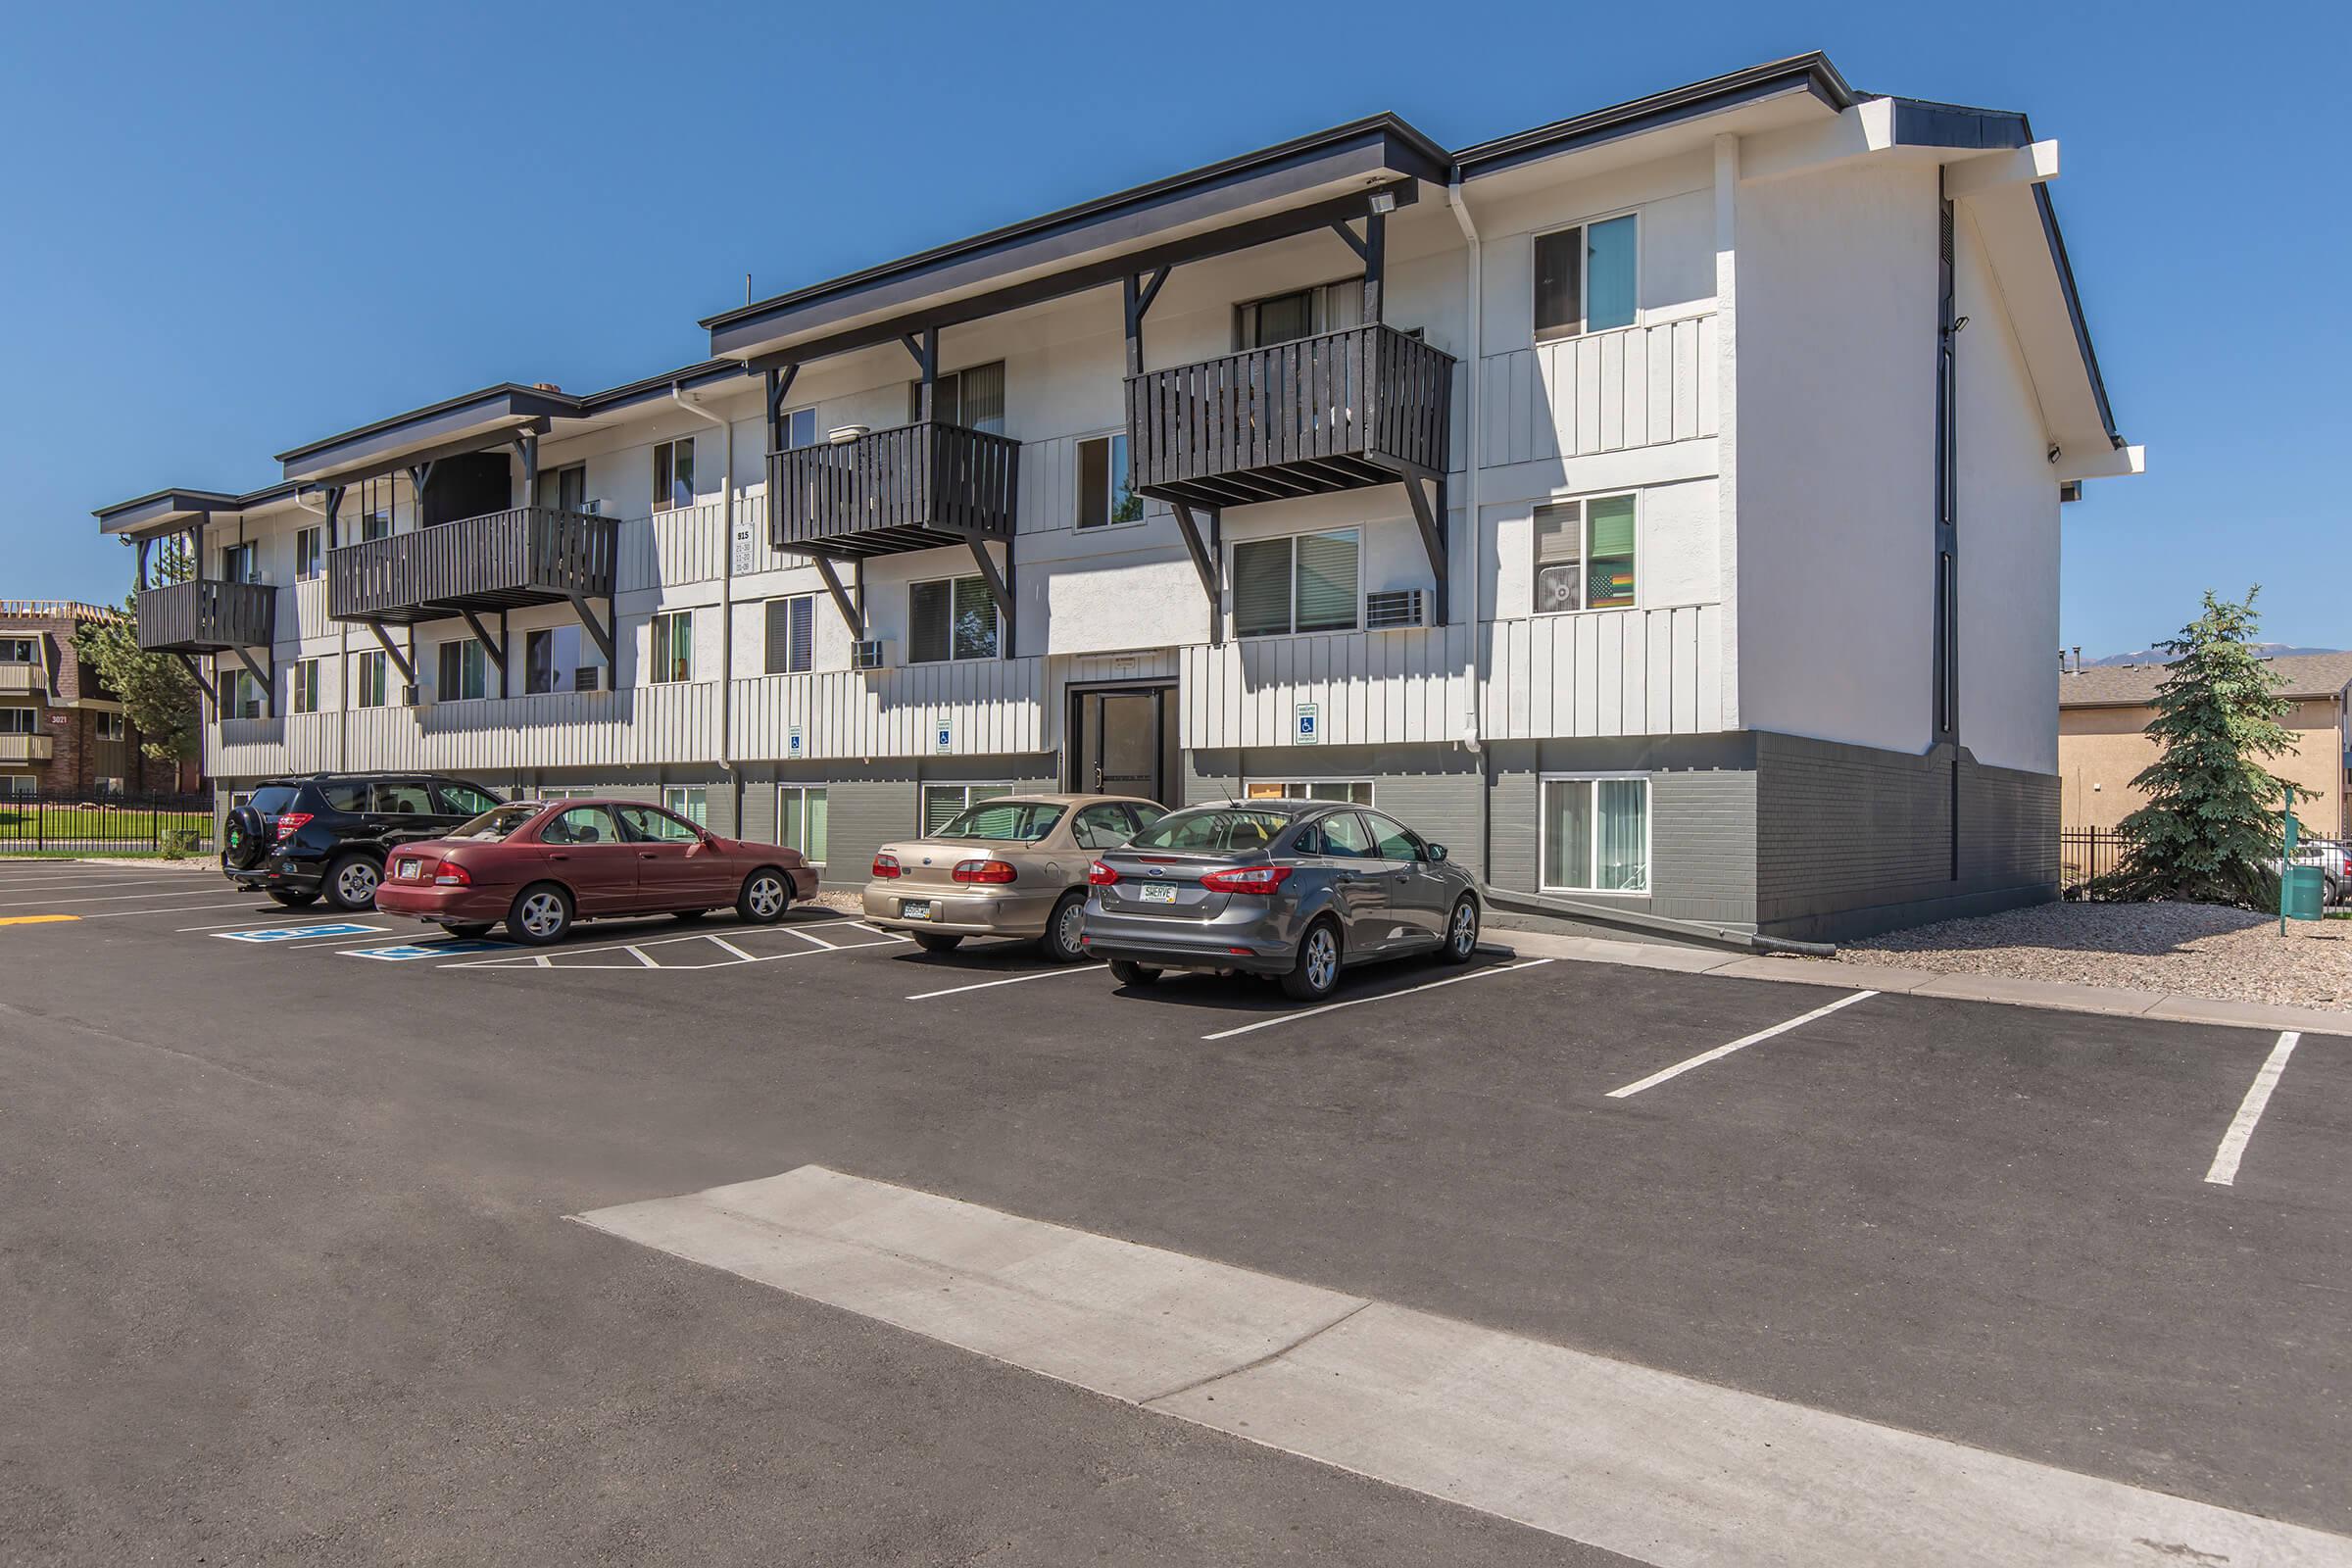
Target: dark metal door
1120,749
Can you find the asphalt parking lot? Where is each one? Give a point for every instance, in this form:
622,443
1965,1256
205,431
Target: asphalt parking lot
289,1278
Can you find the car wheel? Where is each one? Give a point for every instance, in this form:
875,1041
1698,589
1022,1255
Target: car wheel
351,881
939,941
466,930
767,894
1462,930
1064,928
541,915
1317,970
1128,972
292,898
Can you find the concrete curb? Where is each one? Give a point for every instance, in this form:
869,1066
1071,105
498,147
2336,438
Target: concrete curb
2066,995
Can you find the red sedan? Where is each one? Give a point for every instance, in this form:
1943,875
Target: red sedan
539,865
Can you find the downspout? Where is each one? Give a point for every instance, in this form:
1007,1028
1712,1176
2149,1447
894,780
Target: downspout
342,661
726,616
1472,739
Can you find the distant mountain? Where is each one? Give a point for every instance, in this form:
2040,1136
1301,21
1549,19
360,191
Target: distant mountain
2153,655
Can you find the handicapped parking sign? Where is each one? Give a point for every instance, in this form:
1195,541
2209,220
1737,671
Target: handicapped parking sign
1309,729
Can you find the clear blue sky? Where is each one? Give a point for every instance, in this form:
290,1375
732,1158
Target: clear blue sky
231,230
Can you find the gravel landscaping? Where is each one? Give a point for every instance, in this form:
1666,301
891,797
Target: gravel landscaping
2197,949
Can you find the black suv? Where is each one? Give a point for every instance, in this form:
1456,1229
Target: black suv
297,839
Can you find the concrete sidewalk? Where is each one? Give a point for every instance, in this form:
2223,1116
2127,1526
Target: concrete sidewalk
2066,995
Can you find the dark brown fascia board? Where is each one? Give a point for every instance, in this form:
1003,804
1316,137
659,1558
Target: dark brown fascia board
166,510
419,426
1811,72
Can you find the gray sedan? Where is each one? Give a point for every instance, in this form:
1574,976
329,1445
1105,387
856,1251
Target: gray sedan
1293,889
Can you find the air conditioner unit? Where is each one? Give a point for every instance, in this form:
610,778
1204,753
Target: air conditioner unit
1392,608
866,654
585,680
411,698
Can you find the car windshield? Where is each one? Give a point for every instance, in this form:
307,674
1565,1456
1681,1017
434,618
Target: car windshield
496,825
1006,821
1213,830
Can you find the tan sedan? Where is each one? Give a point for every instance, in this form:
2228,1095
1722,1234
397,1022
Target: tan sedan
1012,866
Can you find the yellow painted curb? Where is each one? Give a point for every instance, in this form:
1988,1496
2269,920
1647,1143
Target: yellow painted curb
36,920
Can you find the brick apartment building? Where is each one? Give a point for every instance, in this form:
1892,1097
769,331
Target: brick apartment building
62,733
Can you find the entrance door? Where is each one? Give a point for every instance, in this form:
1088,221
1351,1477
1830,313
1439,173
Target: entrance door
1121,741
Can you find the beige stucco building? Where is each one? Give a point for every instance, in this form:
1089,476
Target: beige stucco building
2103,743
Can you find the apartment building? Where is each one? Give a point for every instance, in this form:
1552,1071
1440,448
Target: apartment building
1658,506
63,734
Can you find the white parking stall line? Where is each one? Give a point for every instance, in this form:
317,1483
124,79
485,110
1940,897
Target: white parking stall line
807,936
722,942
1384,995
639,955
894,936
634,966
2224,1171
1008,980
1741,1043
108,897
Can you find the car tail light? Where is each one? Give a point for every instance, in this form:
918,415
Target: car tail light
450,874
1100,875
995,871
885,865
1247,879
292,824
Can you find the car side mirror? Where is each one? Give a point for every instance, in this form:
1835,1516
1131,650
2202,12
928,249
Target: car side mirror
1436,851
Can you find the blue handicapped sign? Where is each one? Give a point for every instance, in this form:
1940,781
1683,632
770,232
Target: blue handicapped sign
405,951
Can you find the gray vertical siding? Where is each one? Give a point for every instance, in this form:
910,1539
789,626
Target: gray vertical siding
869,805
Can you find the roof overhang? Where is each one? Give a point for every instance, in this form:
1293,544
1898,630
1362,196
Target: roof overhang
168,511
1181,218
470,423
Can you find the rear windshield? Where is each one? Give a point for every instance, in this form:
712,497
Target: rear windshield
1008,821
1213,830
498,822
271,800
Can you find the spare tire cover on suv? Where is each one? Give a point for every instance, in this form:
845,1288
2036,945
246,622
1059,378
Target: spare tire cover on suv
245,840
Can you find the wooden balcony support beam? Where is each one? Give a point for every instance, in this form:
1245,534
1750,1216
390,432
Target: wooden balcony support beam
399,660
1000,588
779,387
493,648
599,632
852,613
1208,554
204,685
267,678
1427,492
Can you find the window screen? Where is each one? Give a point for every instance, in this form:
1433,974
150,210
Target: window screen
792,635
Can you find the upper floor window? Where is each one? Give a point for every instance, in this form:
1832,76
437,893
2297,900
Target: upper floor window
799,428
304,681
1585,279
672,647
972,397
241,562
240,695
673,473
17,721
551,660
950,617
309,552
367,678
20,650
464,672
1301,313
1103,498
1585,555
792,635
109,727
376,524
1305,582
566,489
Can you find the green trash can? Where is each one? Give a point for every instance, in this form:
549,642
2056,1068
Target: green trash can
2306,891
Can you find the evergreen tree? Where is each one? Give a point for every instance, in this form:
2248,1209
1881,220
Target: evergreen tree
2212,817
158,696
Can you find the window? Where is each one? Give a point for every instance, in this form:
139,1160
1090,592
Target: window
551,660
1358,791
1595,832
109,727
943,803
17,721
496,825
108,785
240,695
1103,498
367,684
24,784
1213,829
564,489
304,681
1392,839
660,827
673,473
376,524
1585,279
581,824
799,428
463,800
400,797
20,650
1585,555
464,672
1302,583
672,647
307,558
1102,827
1002,821
792,635
689,801
801,819
1301,313
240,563
972,397
950,617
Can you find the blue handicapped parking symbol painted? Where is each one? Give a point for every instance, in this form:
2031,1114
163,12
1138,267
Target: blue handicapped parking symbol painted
406,950
299,933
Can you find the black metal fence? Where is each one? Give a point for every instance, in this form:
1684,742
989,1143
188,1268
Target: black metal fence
2085,854
139,824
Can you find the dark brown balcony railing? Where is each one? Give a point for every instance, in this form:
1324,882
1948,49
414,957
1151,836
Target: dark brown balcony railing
207,616
1336,412
527,556
916,487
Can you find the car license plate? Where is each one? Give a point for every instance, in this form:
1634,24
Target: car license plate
914,909
1158,892
408,870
